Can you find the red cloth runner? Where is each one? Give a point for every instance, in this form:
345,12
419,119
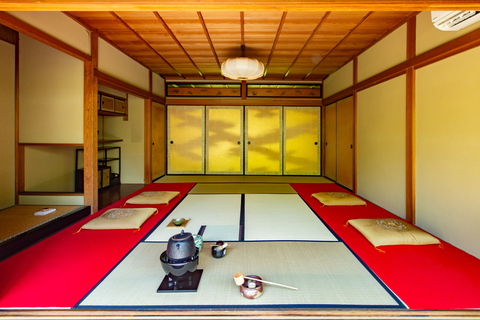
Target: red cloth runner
60,270
424,277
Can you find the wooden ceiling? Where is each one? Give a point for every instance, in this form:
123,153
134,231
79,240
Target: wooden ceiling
189,39
191,45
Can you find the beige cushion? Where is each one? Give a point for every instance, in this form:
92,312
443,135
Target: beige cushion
153,197
121,218
385,232
338,199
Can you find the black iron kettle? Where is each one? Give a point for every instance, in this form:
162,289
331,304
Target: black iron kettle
181,247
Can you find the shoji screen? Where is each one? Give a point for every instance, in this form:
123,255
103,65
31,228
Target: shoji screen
186,135
301,141
224,144
263,136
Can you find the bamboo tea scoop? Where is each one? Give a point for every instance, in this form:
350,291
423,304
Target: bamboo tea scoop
240,278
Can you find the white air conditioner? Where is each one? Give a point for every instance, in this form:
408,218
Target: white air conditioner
454,20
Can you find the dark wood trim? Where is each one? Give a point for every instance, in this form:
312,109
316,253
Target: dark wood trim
114,83
246,102
148,141
355,100
8,35
410,125
36,34
19,150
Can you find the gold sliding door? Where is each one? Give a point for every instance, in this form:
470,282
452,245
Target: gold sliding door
224,139
301,141
263,136
186,136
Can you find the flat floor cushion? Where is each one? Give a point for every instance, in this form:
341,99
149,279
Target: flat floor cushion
121,218
338,199
385,232
153,197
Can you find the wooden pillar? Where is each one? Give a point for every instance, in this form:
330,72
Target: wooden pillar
148,141
410,125
355,81
90,129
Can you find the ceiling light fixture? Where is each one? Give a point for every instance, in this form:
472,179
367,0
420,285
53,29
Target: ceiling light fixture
242,68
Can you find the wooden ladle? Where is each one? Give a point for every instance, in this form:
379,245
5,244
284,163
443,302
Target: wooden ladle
240,279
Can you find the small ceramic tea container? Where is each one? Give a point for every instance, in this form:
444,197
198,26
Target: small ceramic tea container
252,289
218,251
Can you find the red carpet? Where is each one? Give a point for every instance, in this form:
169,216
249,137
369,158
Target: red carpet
424,277
58,271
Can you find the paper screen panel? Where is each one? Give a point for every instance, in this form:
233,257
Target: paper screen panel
302,140
185,139
263,137
224,139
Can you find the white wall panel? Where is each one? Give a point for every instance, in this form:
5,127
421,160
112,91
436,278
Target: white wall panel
448,150
51,94
385,54
118,65
57,25
381,145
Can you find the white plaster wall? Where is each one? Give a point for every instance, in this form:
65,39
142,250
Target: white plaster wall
448,150
132,133
115,63
158,85
339,80
57,25
51,94
7,124
385,54
381,145
429,37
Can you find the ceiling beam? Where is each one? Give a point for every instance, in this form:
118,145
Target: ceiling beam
236,5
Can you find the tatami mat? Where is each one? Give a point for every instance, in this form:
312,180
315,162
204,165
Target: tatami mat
242,188
19,219
242,179
326,274
282,217
218,211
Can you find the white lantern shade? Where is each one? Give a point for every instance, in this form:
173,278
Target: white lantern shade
242,69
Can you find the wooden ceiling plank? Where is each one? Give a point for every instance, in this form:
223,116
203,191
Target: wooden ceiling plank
279,30
306,43
338,44
144,41
209,39
172,35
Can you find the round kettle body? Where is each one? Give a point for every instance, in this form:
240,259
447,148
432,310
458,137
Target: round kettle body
181,247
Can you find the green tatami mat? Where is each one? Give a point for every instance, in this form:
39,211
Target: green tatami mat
326,274
240,188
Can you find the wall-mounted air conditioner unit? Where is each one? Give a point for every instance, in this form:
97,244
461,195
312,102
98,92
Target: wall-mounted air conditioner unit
454,20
